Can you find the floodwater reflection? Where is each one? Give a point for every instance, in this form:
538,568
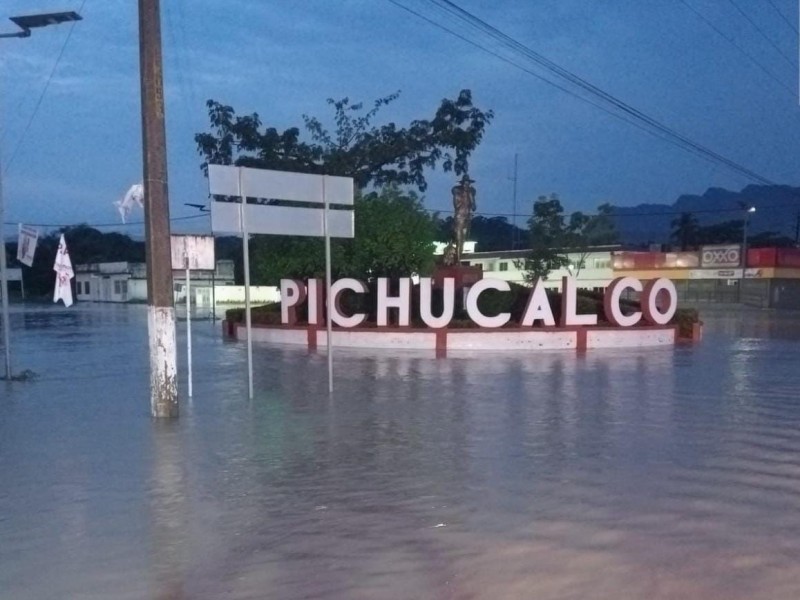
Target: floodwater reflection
664,473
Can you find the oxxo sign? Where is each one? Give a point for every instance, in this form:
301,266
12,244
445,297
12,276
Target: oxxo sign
295,292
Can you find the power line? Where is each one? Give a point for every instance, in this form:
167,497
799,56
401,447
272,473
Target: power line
561,88
785,20
471,19
764,35
96,225
636,214
732,41
653,126
41,96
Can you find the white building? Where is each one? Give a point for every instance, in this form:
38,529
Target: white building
127,282
111,282
592,268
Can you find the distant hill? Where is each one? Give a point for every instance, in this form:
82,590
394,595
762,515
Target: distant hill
777,210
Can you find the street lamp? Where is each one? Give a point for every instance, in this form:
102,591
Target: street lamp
748,210
25,24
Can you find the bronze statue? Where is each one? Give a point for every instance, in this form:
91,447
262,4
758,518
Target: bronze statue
463,207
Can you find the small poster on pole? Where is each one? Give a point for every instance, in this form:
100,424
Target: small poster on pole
26,244
195,252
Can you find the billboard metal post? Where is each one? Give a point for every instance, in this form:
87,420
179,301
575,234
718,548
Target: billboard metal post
285,218
328,308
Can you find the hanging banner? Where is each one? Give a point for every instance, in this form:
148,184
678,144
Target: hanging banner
26,244
64,272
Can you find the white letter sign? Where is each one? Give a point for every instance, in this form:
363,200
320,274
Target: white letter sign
611,301
569,305
538,307
472,302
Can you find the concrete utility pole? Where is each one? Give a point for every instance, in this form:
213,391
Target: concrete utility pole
160,309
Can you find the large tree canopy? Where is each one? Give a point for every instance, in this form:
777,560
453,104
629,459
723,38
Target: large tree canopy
371,155
552,236
394,238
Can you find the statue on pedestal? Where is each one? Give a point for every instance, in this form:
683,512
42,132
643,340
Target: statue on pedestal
463,207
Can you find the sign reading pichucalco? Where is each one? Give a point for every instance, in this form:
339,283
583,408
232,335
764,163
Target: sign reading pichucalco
658,302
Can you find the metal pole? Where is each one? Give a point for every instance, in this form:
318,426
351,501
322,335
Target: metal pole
160,309
214,294
189,324
328,298
247,317
4,286
744,255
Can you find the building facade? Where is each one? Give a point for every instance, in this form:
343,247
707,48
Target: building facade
592,268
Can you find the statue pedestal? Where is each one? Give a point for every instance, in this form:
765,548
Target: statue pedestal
464,275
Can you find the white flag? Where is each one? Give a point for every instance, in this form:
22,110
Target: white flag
64,272
26,245
134,196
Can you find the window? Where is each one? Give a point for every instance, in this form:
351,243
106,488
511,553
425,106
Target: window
602,263
120,287
503,266
86,287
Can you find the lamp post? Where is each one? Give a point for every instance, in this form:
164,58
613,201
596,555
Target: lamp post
25,24
748,210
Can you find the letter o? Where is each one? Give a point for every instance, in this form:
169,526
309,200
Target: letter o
650,309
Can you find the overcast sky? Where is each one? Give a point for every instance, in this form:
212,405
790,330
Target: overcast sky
71,143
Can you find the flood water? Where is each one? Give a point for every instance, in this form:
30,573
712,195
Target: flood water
657,474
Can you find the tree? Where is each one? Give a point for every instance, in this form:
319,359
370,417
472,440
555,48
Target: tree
727,232
394,238
86,245
371,155
769,239
685,230
551,236
489,233
587,232
548,239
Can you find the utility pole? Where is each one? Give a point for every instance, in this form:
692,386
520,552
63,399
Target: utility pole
160,309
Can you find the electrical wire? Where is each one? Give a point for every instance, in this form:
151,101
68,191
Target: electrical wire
676,137
732,41
98,225
547,81
764,35
615,215
785,20
13,154
652,126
